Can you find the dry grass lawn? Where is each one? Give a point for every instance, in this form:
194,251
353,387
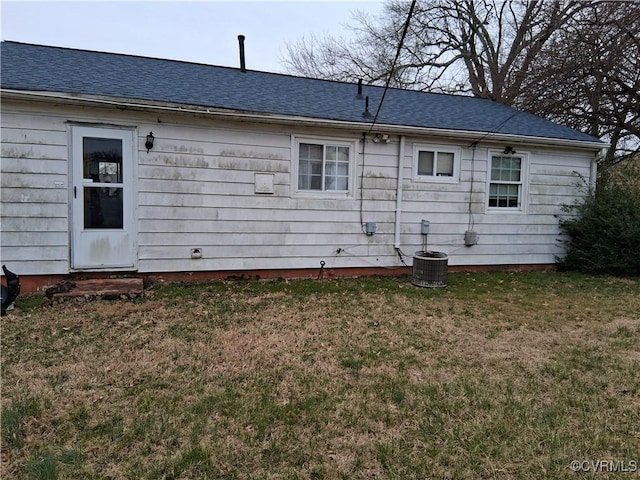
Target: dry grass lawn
506,376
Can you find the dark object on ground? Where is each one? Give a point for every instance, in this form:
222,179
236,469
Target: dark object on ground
61,287
10,291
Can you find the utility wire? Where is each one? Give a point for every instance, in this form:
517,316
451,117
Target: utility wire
384,93
494,130
473,146
395,61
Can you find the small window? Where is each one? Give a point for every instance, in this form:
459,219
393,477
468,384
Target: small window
323,167
436,164
505,185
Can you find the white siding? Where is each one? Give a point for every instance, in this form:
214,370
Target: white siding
196,188
34,222
503,237
201,193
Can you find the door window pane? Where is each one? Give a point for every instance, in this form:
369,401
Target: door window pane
102,160
102,163
103,207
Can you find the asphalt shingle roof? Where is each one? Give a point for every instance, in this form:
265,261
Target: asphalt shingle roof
40,68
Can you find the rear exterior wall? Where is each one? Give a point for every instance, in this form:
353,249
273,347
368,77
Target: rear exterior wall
197,188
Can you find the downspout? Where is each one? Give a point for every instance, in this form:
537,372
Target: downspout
396,239
593,174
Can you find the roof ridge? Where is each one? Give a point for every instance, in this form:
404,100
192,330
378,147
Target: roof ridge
248,70
184,62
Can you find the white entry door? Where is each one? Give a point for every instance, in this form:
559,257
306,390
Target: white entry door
102,194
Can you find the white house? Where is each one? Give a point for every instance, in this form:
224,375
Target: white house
259,172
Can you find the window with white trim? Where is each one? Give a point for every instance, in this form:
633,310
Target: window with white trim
436,163
506,182
323,166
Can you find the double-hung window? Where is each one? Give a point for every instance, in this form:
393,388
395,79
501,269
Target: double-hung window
436,163
506,182
324,166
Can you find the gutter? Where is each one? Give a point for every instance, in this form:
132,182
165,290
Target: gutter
243,116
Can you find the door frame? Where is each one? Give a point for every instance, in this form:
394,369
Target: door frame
129,137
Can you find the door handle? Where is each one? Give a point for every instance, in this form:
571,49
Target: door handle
75,192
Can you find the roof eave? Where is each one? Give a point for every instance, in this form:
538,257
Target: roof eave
259,117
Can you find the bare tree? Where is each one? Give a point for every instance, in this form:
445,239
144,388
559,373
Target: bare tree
589,77
482,47
571,61
369,57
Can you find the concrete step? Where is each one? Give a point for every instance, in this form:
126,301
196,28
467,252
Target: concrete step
102,288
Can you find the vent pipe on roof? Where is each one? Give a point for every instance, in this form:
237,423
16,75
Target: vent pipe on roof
367,113
359,96
241,45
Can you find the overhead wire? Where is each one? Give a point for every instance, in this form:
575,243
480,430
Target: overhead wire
384,94
395,61
473,146
375,119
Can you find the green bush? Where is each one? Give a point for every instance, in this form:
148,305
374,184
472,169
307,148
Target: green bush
604,231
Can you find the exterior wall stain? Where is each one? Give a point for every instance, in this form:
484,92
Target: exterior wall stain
190,149
196,188
251,154
17,153
183,161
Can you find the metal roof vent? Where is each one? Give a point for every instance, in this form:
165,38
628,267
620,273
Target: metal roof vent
367,113
243,67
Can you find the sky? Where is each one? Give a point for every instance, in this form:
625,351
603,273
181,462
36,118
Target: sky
193,31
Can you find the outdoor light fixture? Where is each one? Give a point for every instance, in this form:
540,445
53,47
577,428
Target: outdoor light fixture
149,143
508,150
379,137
